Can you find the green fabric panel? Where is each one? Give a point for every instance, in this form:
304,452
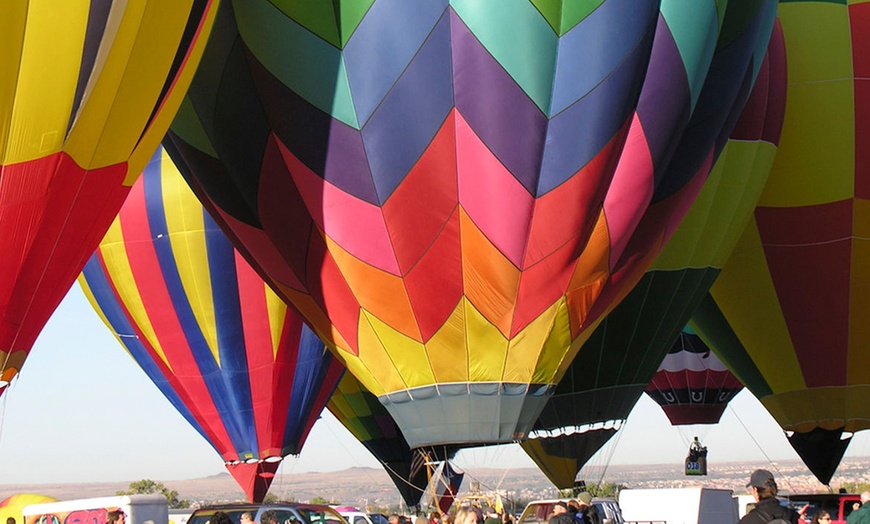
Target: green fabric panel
841,2
738,16
188,126
710,324
563,15
764,39
304,62
519,38
694,24
320,17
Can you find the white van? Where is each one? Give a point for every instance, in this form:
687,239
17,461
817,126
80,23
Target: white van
139,509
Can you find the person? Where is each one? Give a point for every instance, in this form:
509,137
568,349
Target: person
268,517
116,517
434,517
491,516
822,517
246,518
468,515
862,514
767,507
561,514
10,520
421,519
588,512
220,517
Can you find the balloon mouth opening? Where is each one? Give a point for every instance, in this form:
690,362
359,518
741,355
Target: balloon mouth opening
613,425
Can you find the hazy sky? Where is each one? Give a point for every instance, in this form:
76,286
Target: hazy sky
82,411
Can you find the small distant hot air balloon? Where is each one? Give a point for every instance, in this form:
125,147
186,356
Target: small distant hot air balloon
692,385
788,314
87,91
14,505
219,344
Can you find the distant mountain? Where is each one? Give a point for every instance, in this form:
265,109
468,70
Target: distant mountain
361,486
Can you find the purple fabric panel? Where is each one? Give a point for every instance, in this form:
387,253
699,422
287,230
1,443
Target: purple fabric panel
409,117
665,101
327,146
496,108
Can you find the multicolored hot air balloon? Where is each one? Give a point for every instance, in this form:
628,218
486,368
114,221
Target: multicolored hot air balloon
434,186
219,344
621,355
370,422
789,307
87,91
692,385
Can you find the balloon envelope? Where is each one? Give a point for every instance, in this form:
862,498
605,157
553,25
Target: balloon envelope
219,344
87,91
793,294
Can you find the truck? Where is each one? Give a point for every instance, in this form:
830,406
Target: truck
139,509
678,506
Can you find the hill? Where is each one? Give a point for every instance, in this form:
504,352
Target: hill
368,486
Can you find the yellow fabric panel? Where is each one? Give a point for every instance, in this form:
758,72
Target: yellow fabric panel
487,347
377,291
817,144
171,103
277,311
490,281
447,349
816,56
118,270
121,99
560,471
13,15
829,406
532,350
719,215
186,227
555,325
396,361
358,368
745,282
857,370
42,92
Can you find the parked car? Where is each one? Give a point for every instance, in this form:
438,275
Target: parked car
354,516
839,505
288,513
537,511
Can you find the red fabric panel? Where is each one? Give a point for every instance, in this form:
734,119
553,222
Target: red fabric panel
271,378
254,478
282,212
808,251
330,291
53,215
420,207
859,16
434,299
689,414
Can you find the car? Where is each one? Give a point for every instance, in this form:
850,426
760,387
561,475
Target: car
839,505
355,516
538,511
288,513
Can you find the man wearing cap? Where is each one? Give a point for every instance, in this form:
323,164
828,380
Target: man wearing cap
560,514
767,507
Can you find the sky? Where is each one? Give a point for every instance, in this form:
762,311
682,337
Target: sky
81,410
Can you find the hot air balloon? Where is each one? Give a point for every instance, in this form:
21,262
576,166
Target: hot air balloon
430,184
622,353
370,422
787,312
13,506
218,343
87,91
692,385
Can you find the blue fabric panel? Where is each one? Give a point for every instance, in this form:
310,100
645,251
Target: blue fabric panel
381,47
404,125
597,46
